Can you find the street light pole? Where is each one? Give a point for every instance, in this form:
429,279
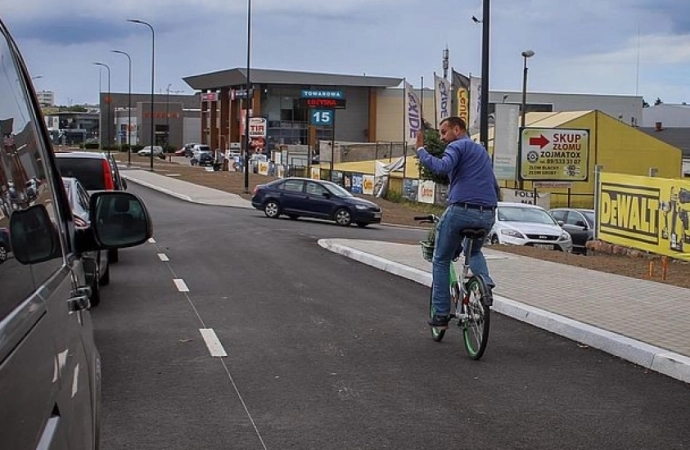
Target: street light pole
247,98
525,55
153,74
167,115
129,108
523,113
484,104
108,106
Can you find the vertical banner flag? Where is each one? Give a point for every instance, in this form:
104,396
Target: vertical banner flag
461,101
475,105
442,92
413,114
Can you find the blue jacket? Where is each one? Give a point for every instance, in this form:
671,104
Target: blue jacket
468,167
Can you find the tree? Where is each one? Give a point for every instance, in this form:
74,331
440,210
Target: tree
436,147
658,102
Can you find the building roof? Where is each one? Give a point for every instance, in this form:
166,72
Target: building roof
237,78
677,137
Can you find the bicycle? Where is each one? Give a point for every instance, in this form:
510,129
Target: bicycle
473,312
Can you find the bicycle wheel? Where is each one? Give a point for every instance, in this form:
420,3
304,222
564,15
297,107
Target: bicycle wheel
475,327
436,333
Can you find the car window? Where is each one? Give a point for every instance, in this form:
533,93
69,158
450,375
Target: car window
522,214
24,186
590,218
574,217
559,215
292,185
315,189
88,171
83,197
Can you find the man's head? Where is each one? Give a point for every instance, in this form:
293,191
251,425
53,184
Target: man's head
452,129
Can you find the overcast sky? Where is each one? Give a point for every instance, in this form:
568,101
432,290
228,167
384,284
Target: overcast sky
582,46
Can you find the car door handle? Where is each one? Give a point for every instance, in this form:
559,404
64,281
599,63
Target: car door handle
78,303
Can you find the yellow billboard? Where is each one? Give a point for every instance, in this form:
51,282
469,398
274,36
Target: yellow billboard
646,213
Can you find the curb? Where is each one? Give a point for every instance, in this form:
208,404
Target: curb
648,356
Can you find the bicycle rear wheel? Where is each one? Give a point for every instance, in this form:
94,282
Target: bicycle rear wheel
475,327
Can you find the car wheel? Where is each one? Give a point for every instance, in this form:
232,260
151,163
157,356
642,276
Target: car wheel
105,277
343,217
494,240
3,254
272,209
362,225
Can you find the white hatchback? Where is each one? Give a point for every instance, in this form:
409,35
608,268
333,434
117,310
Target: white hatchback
523,224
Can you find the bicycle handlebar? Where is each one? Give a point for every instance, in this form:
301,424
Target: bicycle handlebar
429,218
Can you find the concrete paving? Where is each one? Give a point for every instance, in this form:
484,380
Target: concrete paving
645,322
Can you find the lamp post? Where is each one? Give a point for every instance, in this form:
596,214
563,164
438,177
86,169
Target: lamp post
247,98
525,55
484,103
523,113
153,74
107,102
129,108
167,115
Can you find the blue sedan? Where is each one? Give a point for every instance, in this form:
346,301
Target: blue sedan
303,197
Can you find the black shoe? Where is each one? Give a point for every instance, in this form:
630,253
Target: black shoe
440,322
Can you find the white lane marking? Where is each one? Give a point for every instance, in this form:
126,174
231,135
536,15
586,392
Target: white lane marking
181,285
213,343
163,257
152,241
75,381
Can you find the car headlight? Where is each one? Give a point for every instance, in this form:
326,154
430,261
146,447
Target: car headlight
513,233
565,236
361,207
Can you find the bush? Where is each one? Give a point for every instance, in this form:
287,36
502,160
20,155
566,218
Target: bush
394,196
435,147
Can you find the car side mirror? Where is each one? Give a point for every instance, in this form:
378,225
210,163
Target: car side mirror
326,194
560,223
581,224
33,236
119,219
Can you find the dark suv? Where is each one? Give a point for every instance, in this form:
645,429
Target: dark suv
96,171
50,369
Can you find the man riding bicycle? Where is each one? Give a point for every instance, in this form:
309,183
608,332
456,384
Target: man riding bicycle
472,199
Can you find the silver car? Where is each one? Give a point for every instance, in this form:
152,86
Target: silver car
523,224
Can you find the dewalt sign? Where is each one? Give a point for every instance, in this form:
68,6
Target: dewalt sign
646,213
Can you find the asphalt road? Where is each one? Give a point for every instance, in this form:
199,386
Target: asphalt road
327,353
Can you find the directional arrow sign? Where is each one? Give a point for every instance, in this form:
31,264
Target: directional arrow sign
554,154
541,141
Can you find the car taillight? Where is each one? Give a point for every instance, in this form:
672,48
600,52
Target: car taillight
107,177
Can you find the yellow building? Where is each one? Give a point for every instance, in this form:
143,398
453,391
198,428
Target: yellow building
389,112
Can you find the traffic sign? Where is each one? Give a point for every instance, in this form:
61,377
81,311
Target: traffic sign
554,154
322,117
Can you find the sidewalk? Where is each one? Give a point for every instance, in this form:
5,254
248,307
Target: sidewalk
644,322
183,190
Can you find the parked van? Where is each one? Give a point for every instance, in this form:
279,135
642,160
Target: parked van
50,369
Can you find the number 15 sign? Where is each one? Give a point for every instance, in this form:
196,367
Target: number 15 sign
322,117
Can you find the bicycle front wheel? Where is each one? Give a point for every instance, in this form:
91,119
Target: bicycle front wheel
436,333
475,327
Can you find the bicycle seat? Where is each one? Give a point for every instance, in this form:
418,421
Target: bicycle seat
473,233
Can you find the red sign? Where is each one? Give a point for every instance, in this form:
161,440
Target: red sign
541,141
209,97
325,103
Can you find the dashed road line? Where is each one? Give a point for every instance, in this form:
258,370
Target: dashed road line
152,241
213,343
181,285
163,257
